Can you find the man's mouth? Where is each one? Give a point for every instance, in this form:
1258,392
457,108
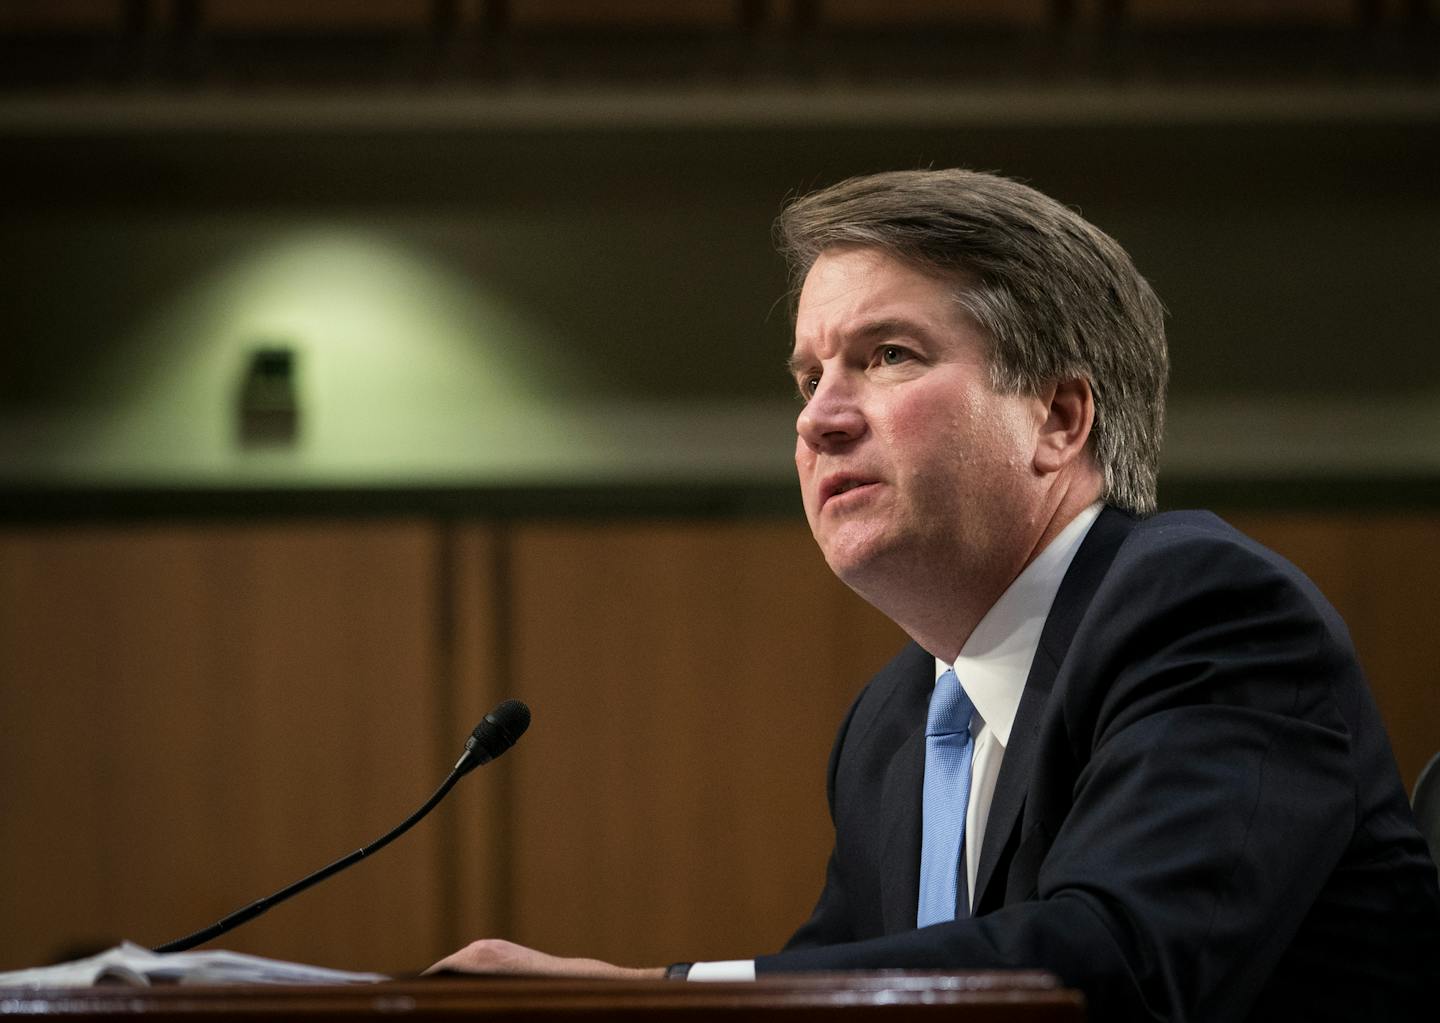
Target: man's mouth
839,485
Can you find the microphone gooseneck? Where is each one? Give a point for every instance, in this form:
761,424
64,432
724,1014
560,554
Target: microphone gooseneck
493,736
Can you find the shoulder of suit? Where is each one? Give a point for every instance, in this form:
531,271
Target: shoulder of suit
1188,531
1200,548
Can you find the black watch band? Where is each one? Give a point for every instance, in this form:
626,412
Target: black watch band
678,971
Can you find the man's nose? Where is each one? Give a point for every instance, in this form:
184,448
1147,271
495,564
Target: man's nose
832,417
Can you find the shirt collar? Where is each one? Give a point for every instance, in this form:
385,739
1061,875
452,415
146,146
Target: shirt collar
995,660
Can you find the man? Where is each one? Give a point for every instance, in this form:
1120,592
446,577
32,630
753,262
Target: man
1135,751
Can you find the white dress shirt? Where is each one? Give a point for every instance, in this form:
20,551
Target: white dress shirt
992,668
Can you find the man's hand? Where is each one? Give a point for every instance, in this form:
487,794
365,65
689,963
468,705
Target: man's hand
493,956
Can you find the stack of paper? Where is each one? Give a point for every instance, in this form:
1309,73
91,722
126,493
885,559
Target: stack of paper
129,963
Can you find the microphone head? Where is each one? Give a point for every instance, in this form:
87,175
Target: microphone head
494,735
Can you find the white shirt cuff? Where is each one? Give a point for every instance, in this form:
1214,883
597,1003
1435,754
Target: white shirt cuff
729,969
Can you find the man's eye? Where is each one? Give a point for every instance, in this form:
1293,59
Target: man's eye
808,386
891,355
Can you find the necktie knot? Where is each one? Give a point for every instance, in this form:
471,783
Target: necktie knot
950,708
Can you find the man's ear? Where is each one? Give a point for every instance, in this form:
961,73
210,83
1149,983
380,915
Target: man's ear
1069,414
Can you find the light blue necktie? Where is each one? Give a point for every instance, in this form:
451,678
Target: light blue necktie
948,748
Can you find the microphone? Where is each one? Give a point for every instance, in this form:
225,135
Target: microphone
499,730
493,736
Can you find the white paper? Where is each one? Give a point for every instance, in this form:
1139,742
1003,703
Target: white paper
129,963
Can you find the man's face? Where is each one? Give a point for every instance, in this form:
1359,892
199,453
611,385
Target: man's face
912,467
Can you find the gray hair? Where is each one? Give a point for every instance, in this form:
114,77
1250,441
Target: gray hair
1058,298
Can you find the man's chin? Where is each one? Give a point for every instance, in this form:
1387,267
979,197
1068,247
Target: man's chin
854,559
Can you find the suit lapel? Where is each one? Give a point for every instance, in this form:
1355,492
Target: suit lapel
900,852
1072,600
901,793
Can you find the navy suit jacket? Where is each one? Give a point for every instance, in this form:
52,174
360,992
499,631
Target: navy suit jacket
1198,816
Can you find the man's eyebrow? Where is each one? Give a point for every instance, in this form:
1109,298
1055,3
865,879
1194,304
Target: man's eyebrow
890,326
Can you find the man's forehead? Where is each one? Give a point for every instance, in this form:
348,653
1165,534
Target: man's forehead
869,272
865,292
846,267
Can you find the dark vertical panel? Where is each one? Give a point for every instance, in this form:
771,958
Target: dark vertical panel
480,818
1401,641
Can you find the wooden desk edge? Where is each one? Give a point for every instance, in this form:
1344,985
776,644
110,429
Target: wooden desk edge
1023,995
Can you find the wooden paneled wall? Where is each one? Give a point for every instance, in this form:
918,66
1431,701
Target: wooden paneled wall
197,714
691,679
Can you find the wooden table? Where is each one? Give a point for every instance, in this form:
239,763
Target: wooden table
890,996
